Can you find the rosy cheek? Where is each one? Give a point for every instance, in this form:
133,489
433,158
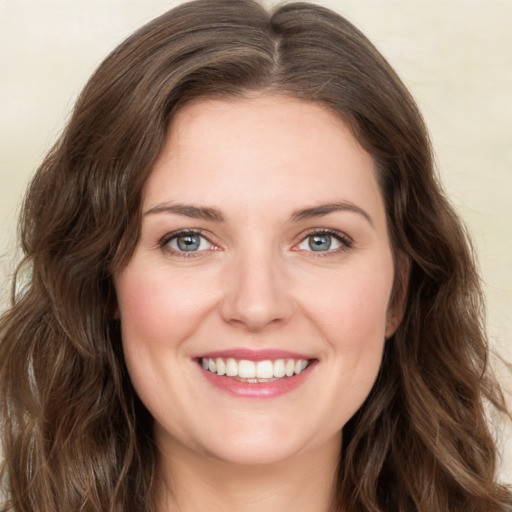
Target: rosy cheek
352,308
158,306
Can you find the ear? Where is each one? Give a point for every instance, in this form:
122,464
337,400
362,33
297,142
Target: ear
398,299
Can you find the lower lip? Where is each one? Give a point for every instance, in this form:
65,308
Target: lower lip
257,389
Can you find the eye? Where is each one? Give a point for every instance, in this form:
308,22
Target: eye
324,241
187,241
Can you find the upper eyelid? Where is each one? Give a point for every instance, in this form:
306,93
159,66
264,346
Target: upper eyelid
173,234
326,231
164,240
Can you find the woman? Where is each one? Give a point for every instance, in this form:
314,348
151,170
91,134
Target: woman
247,290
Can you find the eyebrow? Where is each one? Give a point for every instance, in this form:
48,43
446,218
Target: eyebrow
213,214
194,212
326,209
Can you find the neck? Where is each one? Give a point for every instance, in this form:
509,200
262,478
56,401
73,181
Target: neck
192,483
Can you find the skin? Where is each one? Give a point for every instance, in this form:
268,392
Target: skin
256,283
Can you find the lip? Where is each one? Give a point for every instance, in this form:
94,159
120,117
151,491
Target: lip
254,355
260,390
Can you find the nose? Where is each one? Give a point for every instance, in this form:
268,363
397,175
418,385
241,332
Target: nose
256,293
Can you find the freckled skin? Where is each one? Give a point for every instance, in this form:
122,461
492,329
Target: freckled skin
256,283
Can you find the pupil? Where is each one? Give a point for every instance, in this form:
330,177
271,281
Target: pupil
188,242
320,242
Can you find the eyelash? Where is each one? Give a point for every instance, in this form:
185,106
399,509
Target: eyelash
345,242
164,242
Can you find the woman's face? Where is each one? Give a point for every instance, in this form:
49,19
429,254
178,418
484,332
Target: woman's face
264,256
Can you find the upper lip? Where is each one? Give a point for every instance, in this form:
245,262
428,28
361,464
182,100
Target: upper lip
254,355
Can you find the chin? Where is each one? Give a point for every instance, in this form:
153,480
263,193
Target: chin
268,444
255,453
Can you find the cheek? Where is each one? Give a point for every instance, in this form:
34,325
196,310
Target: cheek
158,313
356,333
156,307
351,316
352,307
354,326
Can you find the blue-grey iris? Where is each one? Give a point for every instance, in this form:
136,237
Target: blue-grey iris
320,242
188,242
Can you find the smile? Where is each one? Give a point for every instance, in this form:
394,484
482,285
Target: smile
254,371
256,374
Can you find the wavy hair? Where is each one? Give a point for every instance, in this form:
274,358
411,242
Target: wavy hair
75,435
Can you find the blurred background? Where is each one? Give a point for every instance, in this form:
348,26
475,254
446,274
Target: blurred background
454,55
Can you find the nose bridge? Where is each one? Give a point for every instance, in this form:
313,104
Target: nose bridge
256,292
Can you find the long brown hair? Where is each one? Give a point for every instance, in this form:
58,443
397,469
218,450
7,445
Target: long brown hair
75,435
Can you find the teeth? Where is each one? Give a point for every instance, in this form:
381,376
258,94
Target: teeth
246,369
221,366
279,368
231,368
259,371
264,370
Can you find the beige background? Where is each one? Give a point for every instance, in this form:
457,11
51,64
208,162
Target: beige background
455,56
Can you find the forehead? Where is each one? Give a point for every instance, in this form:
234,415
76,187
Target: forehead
266,148
249,119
